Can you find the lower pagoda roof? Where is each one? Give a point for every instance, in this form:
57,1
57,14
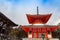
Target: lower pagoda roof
39,28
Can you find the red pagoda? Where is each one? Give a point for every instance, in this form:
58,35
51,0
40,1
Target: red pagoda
39,31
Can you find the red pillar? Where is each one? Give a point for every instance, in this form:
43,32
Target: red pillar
32,34
37,35
46,34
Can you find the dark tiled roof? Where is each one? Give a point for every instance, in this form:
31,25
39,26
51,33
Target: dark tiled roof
7,20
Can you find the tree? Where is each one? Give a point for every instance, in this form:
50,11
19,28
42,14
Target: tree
17,34
22,34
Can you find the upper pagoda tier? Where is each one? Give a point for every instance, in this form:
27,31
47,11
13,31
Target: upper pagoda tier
38,19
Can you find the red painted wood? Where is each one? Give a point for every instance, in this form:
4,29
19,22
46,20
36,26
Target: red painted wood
41,19
40,29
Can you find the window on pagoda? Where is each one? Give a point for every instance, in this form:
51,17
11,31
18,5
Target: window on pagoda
35,35
43,35
39,35
48,32
49,36
30,34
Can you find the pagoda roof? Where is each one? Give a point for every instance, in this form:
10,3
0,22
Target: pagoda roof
38,19
27,28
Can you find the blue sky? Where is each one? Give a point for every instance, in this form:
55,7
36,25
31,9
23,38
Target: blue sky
16,10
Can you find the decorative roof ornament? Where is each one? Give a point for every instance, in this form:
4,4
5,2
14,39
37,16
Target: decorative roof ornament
39,18
37,11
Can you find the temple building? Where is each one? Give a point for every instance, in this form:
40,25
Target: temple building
38,27
5,25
